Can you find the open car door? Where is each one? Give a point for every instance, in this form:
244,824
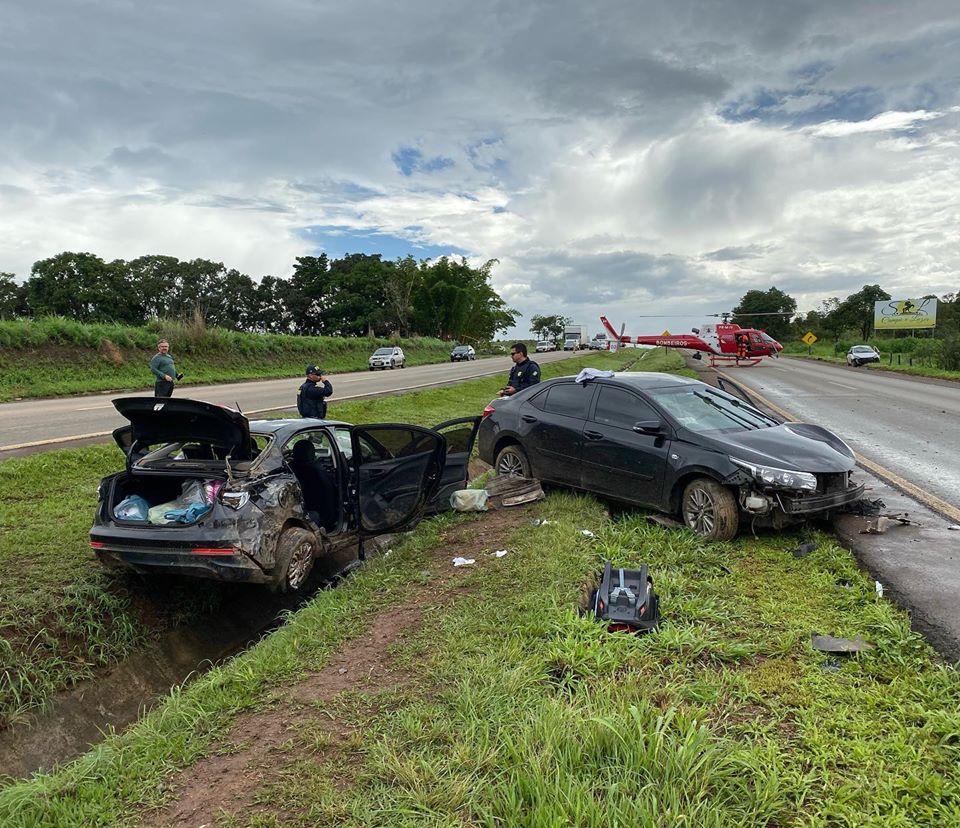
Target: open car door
398,470
460,436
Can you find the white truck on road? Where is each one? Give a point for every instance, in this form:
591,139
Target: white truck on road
575,337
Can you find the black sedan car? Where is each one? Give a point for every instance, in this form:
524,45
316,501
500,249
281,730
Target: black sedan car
463,353
208,493
670,444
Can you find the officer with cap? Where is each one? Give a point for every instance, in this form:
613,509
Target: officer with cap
525,371
311,398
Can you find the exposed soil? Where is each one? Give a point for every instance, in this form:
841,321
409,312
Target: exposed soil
262,743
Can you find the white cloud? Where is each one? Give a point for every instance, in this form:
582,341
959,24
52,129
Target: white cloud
593,154
884,122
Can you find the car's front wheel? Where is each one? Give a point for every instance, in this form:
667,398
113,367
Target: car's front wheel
710,509
512,462
296,550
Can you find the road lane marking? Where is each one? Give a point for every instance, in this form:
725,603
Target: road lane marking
935,503
843,385
291,405
94,434
94,408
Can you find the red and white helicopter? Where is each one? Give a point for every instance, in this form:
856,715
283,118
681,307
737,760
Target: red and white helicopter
725,342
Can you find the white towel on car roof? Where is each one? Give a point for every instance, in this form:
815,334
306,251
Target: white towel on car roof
592,373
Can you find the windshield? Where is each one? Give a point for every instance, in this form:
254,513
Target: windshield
461,349
706,410
383,352
860,349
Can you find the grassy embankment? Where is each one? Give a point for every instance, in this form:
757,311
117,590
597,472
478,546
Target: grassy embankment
508,707
62,617
900,361
55,356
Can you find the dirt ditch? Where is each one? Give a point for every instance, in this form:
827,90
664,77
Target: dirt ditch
229,780
78,718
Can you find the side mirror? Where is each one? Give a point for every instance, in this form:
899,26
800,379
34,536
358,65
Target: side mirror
648,427
697,355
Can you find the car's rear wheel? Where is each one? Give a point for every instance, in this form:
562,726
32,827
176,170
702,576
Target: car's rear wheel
512,462
710,509
296,550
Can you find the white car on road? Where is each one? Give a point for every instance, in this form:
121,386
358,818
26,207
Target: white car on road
387,358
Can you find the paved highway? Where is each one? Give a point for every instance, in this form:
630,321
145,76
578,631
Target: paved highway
909,425
38,424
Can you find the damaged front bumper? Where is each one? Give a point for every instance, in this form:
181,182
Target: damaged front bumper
815,503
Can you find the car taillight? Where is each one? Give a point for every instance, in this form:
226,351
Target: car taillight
97,544
487,411
213,550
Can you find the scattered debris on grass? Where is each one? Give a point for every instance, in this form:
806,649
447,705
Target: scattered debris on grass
460,561
803,550
664,521
469,500
513,491
587,533
829,644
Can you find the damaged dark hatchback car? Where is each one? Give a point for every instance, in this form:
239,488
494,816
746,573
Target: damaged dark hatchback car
208,493
674,445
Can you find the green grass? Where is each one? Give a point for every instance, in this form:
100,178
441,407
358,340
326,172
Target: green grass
62,617
898,362
522,711
55,356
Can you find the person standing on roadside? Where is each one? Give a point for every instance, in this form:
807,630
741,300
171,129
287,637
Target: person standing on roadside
164,371
311,397
525,371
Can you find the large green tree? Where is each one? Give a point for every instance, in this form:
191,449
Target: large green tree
548,327
456,301
11,297
856,311
84,287
770,310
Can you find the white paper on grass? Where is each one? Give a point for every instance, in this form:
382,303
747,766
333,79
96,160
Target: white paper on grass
499,553
458,561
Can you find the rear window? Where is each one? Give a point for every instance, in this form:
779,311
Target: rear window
569,398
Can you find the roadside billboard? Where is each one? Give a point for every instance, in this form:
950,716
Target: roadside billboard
903,314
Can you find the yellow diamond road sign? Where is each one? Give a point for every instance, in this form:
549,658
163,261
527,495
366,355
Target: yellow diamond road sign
809,337
665,333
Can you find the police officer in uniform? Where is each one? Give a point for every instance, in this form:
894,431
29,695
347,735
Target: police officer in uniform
311,398
525,371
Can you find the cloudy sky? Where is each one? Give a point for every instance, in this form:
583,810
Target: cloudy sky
627,158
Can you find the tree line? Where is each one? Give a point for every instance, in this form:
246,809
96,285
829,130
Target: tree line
356,295
834,319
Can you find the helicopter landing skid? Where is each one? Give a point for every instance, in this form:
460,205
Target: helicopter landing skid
725,359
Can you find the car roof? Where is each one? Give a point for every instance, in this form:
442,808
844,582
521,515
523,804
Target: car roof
275,426
642,379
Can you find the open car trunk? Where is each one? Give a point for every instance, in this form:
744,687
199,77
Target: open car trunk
161,500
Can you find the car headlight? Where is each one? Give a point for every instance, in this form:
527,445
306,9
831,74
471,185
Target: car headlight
780,478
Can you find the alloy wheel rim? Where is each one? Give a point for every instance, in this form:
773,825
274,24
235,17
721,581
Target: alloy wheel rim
300,564
510,466
701,516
